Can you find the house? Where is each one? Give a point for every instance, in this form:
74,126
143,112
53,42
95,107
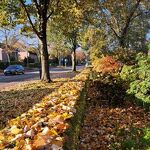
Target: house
18,53
3,54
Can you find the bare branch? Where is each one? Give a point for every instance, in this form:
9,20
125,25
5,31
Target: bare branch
139,14
38,7
52,11
29,17
50,14
110,25
129,18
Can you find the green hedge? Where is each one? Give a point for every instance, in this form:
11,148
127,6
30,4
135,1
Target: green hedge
138,79
3,65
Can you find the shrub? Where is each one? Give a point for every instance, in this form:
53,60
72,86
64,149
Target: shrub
3,65
141,90
30,60
128,73
17,63
132,142
106,65
138,77
34,65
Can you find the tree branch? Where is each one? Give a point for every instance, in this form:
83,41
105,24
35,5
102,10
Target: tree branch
37,6
139,14
109,24
29,17
52,11
50,14
129,18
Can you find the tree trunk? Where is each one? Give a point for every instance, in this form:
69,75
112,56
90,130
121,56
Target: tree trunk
59,61
8,58
74,59
122,42
6,48
45,75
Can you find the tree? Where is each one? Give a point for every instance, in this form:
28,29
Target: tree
94,41
69,27
10,40
80,56
75,12
33,15
120,17
38,14
56,42
6,24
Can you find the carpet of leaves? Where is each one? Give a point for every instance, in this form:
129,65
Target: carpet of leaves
20,98
105,126
42,127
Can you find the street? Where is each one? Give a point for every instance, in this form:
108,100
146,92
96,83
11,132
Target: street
56,72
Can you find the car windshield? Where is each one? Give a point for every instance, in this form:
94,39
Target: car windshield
12,67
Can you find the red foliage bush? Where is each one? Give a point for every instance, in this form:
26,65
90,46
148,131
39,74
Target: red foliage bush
106,65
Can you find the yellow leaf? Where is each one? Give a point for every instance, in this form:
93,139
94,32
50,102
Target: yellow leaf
66,115
20,144
52,132
1,137
15,130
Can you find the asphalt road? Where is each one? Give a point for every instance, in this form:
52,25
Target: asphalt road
33,75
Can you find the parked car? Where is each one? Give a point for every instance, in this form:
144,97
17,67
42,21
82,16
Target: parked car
14,69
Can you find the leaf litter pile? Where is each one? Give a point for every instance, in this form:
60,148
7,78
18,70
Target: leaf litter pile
17,100
111,123
42,127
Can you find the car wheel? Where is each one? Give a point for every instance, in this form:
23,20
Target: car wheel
15,73
22,72
5,74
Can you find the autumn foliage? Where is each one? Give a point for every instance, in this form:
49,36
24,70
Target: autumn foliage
106,65
43,126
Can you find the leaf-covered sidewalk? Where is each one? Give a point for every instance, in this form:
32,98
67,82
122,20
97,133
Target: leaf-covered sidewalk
20,98
115,128
43,126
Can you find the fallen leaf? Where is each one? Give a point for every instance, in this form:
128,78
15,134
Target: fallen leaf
15,130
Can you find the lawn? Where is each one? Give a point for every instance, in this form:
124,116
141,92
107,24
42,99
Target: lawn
43,126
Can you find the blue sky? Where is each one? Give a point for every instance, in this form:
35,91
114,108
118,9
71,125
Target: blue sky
28,1
148,36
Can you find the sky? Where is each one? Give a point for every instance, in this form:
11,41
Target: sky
148,36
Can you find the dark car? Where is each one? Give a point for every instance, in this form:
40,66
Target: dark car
14,69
